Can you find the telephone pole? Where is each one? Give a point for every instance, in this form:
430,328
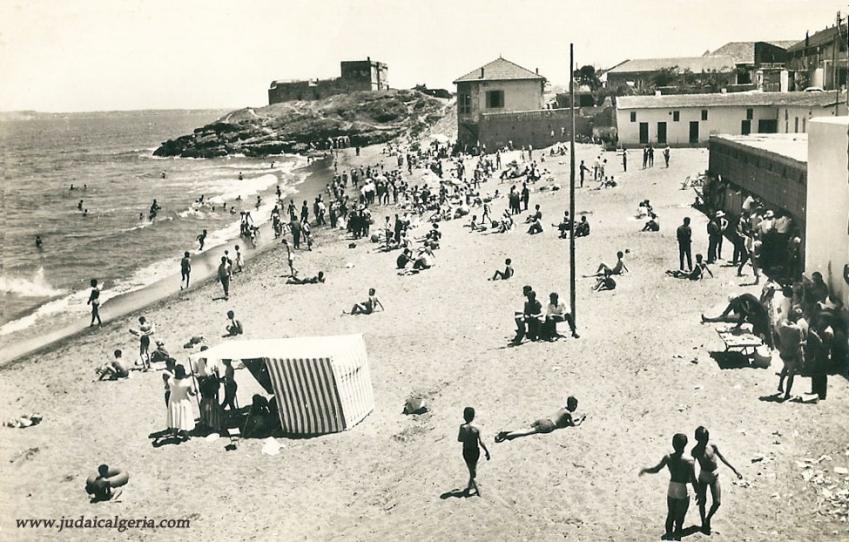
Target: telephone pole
572,182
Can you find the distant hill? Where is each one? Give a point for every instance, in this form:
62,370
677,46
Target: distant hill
365,117
6,116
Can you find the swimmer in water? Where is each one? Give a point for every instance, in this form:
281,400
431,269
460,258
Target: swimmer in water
85,212
162,174
72,187
80,205
38,242
241,176
141,217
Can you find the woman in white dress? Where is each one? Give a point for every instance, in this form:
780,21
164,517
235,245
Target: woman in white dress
181,419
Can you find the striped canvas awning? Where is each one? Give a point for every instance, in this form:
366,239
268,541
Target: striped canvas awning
322,384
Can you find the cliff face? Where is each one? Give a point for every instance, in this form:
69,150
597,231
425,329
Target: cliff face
365,117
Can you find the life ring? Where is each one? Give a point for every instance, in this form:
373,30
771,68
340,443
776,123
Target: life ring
846,273
115,477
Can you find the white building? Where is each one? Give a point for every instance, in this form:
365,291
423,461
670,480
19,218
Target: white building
827,247
690,119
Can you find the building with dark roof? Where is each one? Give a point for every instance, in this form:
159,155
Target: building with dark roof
690,119
643,73
821,59
759,62
499,87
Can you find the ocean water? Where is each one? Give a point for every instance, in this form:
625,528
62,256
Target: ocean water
110,154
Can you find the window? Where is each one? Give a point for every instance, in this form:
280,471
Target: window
704,114
750,114
494,99
633,116
464,104
676,116
796,127
804,121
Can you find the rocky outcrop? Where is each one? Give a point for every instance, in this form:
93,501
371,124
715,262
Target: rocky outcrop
365,117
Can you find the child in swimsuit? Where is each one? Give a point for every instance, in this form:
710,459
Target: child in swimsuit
470,436
682,472
706,455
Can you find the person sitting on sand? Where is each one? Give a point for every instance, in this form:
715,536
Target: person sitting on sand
564,417
403,259
101,489
114,368
706,455
424,260
368,306
160,354
618,269
474,225
318,279
652,225
747,308
536,224
529,320
604,282
506,274
555,313
535,216
506,223
233,327
682,472
565,225
696,274
582,228
470,436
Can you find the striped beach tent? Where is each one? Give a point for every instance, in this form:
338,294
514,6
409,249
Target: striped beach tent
322,384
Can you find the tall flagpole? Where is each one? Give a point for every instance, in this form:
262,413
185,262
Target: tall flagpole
572,181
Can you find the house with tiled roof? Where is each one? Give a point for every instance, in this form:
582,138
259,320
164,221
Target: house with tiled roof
821,59
643,73
498,87
758,62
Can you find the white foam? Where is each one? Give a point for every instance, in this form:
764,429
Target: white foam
33,286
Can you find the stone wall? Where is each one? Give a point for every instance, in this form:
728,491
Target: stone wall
540,128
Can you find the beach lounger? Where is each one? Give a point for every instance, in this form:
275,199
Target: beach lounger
740,341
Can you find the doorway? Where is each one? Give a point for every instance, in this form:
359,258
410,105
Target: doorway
746,127
644,133
694,132
661,133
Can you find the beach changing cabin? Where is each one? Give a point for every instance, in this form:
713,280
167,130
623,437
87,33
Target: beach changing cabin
322,384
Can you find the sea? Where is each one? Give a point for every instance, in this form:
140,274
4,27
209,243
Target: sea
108,158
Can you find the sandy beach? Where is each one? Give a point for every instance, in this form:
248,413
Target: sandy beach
642,371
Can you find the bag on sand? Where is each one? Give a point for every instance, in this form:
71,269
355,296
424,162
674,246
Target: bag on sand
762,357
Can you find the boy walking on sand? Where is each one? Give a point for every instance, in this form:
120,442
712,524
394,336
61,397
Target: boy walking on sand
706,454
682,472
145,330
470,436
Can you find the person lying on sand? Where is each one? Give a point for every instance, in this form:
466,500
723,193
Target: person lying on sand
696,274
682,472
114,368
562,418
309,280
747,308
619,269
506,274
233,327
472,441
368,306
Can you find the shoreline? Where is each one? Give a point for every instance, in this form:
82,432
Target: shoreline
204,267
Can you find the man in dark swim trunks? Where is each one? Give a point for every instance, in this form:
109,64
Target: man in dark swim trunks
682,472
470,436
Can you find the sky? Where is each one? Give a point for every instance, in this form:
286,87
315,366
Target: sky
101,55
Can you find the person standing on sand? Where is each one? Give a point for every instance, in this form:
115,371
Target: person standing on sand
240,261
185,270
666,155
145,330
224,276
470,436
685,240
682,472
706,455
201,240
290,258
94,301
181,419
230,386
